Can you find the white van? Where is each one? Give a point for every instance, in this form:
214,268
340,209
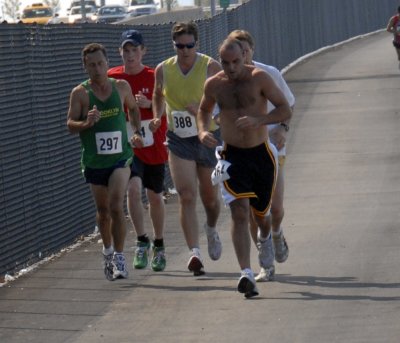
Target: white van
141,7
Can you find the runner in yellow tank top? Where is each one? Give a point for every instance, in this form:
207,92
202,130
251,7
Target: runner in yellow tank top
179,88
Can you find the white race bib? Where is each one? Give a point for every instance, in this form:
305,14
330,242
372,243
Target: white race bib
184,124
147,135
109,143
220,172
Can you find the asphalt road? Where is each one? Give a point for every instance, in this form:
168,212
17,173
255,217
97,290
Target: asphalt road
341,282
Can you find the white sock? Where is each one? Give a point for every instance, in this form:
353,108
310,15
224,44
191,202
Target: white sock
209,229
108,251
263,239
277,233
248,271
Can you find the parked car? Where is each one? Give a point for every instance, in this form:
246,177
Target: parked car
142,7
110,14
59,19
75,3
37,13
75,15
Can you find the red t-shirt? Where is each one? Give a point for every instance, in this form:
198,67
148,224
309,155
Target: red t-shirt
144,82
396,25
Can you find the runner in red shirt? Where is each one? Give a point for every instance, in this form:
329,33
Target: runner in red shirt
148,167
393,26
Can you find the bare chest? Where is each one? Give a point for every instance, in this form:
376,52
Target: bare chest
238,96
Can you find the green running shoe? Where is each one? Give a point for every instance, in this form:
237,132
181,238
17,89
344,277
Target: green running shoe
158,262
141,257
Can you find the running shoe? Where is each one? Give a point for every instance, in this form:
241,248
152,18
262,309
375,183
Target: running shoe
119,266
141,257
214,244
266,253
195,263
247,285
281,248
266,274
158,262
108,266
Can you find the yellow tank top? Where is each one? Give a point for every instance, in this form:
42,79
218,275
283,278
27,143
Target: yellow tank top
181,89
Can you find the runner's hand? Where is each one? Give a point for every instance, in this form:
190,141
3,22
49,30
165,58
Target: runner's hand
277,136
93,116
208,139
154,124
137,141
247,122
142,100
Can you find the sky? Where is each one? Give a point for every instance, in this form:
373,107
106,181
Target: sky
65,3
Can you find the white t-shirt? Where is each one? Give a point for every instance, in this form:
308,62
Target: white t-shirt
281,83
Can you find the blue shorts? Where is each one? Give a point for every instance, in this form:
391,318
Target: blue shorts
152,175
101,176
192,149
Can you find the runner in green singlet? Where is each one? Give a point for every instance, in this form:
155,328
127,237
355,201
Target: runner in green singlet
96,113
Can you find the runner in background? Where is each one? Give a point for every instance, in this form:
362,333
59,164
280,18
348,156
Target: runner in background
148,167
393,27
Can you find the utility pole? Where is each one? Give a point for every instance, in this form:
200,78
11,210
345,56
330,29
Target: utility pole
83,11
212,5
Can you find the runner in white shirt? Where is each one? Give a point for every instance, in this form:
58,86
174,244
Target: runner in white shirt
275,245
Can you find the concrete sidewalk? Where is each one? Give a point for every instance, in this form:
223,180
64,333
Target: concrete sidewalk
341,282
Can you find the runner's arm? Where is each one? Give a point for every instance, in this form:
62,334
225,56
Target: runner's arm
76,120
204,115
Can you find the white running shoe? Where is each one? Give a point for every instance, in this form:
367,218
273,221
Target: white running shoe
266,254
119,266
108,266
247,285
195,263
266,274
281,248
214,244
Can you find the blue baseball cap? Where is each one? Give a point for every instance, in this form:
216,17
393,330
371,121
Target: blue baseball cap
131,36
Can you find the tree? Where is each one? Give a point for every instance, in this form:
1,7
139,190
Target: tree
171,4
11,8
52,3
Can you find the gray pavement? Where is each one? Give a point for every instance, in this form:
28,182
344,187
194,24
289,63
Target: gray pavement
341,282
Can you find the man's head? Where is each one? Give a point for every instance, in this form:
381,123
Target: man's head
189,28
247,43
133,37
92,48
232,58
132,50
185,39
94,57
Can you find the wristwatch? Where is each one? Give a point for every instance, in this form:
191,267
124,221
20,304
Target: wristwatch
285,126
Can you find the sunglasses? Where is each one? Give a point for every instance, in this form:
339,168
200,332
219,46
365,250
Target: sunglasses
187,46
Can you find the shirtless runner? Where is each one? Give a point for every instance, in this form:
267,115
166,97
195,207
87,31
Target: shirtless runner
247,169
